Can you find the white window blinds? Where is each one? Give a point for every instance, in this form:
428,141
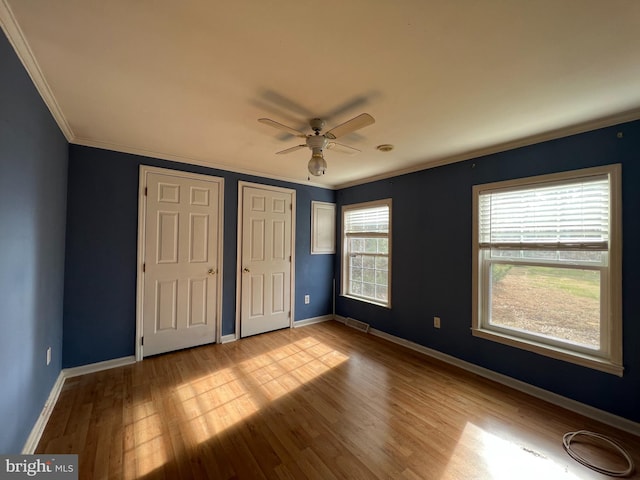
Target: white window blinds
568,215
369,220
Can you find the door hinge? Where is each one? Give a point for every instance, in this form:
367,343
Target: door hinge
144,267
146,190
142,341
289,258
289,314
291,204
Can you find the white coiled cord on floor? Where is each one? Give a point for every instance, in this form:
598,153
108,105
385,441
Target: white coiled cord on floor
567,438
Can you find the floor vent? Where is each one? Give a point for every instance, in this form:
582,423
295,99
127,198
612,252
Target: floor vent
357,324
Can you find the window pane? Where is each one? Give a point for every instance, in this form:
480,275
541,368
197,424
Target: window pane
356,245
381,277
573,256
356,274
368,261
382,263
368,290
371,245
598,258
539,254
559,303
369,275
383,245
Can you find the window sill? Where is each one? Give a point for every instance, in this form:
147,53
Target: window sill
366,300
578,358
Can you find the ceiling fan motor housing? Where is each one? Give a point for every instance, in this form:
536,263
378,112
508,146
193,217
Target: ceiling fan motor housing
315,142
316,124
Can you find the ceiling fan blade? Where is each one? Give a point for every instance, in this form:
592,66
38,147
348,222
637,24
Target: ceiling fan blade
279,126
289,150
339,147
362,120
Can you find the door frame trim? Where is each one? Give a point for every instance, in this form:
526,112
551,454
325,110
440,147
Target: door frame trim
144,171
241,186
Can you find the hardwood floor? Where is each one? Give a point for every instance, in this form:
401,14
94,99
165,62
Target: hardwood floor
319,402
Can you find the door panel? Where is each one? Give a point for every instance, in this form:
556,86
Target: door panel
278,296
266,260
199,236
278,242
257,295
166,305
197,301
180,257
256,237
167,237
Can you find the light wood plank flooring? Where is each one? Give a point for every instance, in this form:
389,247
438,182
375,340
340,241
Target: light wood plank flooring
319,402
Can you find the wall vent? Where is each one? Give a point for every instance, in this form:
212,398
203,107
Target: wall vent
357,324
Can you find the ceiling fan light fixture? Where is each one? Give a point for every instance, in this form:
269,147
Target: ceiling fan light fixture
317,164
317,141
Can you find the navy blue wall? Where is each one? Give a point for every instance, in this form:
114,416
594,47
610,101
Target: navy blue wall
33,178
102,225
431,275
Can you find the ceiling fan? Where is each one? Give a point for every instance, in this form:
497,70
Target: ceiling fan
318,142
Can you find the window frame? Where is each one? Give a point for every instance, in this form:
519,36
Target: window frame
345,250
608,358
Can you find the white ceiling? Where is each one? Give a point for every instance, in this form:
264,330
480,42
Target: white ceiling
445,81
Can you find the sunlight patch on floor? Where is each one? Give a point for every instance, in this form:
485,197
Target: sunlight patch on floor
149,447
286,369
222,399
501,459
210,404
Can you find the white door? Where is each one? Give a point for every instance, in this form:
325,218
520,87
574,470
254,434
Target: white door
266,261
180,273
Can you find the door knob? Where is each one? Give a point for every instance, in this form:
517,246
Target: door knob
246,270
212,271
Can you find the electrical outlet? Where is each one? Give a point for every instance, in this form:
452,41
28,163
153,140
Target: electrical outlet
307,299
48,355
436,322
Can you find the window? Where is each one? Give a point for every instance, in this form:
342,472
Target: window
547,265
366,251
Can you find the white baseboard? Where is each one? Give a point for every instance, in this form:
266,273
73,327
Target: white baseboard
36,432
558,400
312,320
228,338
99,366
298,323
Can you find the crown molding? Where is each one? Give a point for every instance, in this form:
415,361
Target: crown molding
19,43
609,121
191,161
